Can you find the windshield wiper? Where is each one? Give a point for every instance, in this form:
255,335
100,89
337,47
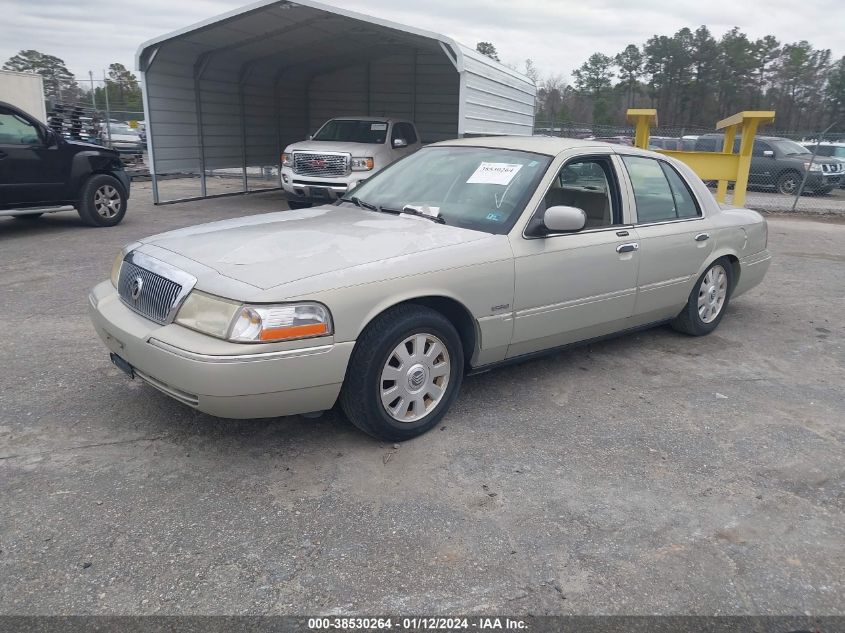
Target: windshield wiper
420,214
360,203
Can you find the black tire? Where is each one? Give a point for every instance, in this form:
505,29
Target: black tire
361,397
28,216
93,208
788,183
690,321
293,206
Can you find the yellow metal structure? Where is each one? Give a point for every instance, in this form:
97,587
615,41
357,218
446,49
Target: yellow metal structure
722,166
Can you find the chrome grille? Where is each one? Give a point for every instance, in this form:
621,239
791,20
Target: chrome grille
830,168
158,294
314,164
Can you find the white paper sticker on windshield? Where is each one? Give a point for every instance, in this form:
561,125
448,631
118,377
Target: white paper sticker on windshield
494,174
378,127
424,209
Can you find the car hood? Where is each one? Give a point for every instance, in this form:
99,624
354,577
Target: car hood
125,138
266,251
356,149
83,145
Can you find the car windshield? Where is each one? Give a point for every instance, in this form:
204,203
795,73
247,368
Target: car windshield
477,188
121,128
789,148
349,131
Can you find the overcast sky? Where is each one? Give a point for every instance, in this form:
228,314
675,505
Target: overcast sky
557,34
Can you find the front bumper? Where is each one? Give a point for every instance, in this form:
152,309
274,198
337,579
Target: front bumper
817,181
227,380
314,189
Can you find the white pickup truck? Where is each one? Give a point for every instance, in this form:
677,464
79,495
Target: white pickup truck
343,152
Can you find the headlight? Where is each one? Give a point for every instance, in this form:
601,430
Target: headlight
813,167
287,160
207,314
362,164
264,324
239,323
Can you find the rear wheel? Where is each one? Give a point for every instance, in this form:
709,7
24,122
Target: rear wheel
708,300
404,374
102,201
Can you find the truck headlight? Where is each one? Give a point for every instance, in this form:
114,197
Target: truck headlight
813,167
240,323
287,160
362,164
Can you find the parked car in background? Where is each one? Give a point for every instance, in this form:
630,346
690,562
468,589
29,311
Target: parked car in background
125,140
780,164
833,150
465,255
665,142
42,172
343,152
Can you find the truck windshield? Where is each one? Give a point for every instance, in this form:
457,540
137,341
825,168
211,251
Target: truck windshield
350,131
789,148
478,188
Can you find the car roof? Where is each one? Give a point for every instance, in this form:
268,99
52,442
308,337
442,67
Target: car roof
549,145
825,143
380,119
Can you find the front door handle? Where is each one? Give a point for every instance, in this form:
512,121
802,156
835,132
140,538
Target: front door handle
702,237
628,248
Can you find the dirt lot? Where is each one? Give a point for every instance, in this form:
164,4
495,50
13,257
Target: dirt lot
650,474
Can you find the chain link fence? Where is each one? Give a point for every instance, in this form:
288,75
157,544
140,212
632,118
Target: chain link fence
801,171
103,113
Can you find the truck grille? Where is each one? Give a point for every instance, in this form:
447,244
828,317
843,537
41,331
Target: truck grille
830,168
324,165
157,294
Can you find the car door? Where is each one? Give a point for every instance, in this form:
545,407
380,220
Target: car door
673,234
30,170
763,171
575,286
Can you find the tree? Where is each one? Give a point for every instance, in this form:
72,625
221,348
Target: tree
486,48
594,78
550,98
630,63
59,82
531,71
835,93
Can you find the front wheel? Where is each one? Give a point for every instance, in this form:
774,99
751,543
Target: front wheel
788,183
405,372
708,300
102,201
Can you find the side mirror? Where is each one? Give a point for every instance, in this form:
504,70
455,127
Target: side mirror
310,136
400,142
564,219
768,153
50,137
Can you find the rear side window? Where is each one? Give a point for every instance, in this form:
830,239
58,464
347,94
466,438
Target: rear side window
660,192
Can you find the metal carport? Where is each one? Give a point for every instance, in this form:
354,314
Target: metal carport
224,97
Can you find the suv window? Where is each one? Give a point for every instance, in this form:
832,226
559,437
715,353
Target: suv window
590,185
17,131
660,192
404,130
760,147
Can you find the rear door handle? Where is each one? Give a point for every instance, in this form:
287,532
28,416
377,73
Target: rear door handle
628,248
701,237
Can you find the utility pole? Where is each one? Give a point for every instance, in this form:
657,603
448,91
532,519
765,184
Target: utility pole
93,94
108,109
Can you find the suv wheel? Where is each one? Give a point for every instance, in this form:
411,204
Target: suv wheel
404,373
102,201
788,183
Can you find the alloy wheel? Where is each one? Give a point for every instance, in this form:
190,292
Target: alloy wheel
107,201
415,377
712,293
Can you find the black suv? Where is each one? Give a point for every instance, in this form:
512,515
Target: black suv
781,164
39,168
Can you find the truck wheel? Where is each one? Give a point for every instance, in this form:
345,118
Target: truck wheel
293,206
404,373
102,201
788,183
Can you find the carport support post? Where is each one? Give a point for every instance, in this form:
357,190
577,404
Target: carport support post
727,148
199,69
643,120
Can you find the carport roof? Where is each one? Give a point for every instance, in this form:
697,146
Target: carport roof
309,41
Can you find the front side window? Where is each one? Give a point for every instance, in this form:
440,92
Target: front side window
352,131
15,130
789,148
660,192
404,131
483,189
587,184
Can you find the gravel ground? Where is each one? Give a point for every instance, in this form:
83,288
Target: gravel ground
654,473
